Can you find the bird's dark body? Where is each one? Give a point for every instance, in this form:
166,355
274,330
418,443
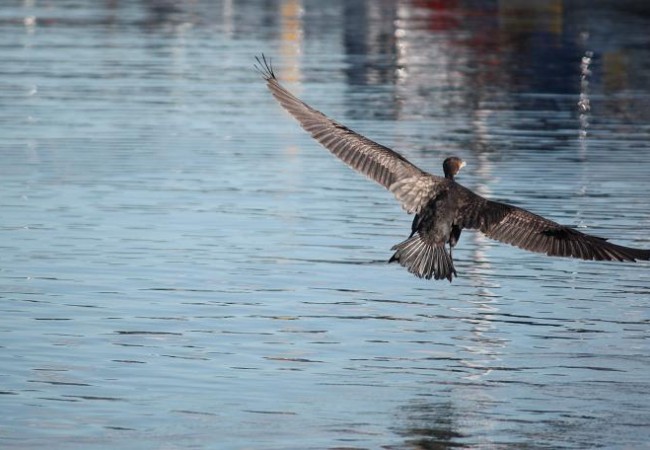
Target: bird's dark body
435,226
436,220
442,207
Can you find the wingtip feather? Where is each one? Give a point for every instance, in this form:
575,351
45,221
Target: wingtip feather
264,67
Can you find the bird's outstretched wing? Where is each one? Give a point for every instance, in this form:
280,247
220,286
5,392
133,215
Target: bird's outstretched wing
410,185
528,231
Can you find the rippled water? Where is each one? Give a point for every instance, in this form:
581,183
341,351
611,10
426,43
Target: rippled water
182,267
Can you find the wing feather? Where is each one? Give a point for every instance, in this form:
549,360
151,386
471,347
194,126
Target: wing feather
528,231
410,185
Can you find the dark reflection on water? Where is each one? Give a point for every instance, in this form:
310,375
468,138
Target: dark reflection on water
431,426
183,267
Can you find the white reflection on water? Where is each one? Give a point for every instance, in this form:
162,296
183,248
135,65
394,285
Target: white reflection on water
182,266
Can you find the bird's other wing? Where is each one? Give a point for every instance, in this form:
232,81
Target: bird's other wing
528,231
410,185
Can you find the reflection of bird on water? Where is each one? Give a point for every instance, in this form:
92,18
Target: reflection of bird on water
442,207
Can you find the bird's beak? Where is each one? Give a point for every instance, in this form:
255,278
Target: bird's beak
463,164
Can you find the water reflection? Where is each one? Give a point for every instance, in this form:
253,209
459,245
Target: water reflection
431,426
181,262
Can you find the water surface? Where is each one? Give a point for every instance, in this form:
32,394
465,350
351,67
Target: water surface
182,267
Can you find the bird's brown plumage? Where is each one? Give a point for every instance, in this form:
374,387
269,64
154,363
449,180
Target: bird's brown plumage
442,207
412,186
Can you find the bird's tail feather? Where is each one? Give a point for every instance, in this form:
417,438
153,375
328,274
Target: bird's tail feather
423,259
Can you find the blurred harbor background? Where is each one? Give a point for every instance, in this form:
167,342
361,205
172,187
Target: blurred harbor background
183,267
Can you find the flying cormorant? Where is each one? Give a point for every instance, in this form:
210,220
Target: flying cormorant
442,207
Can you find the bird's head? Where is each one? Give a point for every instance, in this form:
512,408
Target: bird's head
452,166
